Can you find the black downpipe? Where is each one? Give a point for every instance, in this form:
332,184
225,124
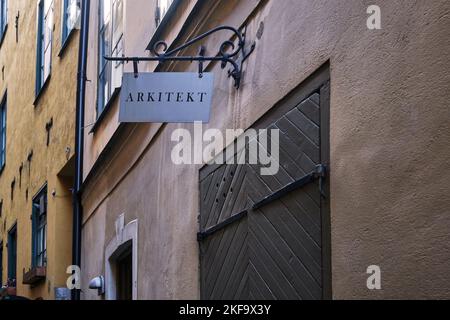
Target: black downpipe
79,139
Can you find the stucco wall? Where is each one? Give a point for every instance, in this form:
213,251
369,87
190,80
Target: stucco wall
389,130
26,132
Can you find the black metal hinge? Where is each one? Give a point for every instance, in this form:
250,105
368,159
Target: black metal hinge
209,232
319,173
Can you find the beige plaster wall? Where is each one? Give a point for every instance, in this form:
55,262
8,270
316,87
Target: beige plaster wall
389,156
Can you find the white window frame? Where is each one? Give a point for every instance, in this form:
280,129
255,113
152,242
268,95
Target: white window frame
44,36
162,7
111,33
66,31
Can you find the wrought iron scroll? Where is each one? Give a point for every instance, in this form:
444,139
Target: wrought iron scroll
236,57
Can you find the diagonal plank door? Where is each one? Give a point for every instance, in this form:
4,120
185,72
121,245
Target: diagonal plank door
278,251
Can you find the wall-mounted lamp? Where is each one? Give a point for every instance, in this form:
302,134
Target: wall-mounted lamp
99,284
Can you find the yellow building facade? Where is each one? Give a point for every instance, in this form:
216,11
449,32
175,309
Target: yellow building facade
38,64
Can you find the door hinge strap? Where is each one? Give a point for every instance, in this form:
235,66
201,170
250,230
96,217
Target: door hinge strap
318,173
209,232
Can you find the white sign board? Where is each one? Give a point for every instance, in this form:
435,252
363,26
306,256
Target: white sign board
166,97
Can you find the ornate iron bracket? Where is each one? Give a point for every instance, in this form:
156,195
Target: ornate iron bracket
238,55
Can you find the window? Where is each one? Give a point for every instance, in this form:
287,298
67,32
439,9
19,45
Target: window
3,17
39,229
12,254
44,43
70,14
110,44
161,9
3,133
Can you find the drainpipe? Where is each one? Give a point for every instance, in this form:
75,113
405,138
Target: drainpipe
79,139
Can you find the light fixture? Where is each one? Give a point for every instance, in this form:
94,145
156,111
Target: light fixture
99,284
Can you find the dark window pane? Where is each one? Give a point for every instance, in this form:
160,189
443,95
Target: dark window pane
12,253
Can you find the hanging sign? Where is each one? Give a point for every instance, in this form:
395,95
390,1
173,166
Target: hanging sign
166,97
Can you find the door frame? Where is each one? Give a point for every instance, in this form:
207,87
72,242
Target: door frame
126,235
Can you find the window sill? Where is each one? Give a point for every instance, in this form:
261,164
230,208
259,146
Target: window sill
34,275
66,43
41,91
11,291
105,111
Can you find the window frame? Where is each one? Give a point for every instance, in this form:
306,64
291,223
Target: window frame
3,127
12,253
159,16
108,45
39,229
3,19
65,31
44,33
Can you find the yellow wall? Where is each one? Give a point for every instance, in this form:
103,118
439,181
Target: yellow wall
25,132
